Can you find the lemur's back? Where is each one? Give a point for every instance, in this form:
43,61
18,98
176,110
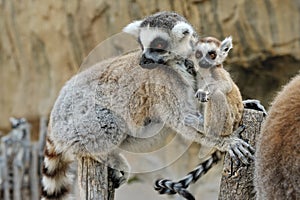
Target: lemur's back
278,148
118,88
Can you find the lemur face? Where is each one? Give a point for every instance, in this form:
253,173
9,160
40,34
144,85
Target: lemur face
17,122
163,37
211,52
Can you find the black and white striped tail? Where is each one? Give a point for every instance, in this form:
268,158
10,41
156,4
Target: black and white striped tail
56,181
164,186
255,104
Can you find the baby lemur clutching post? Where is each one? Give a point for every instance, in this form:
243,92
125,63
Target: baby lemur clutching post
223,108
223,105
105,108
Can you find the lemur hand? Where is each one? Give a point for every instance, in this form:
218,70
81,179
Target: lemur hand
202,96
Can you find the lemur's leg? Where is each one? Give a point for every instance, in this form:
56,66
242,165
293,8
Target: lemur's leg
120,168
238,149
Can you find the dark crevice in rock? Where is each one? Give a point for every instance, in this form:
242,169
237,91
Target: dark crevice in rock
265,78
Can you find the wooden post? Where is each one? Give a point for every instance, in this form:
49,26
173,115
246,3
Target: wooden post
42,138
238,183
34,172
94,180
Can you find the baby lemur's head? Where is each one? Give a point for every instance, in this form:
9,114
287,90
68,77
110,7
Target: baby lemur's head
211,52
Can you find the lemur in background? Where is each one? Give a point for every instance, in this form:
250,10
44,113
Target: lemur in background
277,165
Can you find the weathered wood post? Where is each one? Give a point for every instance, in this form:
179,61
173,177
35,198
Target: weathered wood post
34,172
237,184
94,180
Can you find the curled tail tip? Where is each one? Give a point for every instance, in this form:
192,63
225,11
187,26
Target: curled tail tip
156,186
186,194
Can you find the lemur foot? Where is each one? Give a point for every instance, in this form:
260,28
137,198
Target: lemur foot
255,104
118,169
202,96
239,150
118,177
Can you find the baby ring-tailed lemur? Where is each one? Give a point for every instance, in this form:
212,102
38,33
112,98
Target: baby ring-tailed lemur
223,105
277,157
105,108
223,108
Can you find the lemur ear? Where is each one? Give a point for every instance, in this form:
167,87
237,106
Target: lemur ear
13,121
182,29
226,44
133,28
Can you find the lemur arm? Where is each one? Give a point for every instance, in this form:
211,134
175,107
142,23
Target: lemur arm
238,149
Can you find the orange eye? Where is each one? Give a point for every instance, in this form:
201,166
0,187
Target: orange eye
159,46
212,55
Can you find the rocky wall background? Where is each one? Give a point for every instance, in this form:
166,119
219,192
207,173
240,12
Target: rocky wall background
42,43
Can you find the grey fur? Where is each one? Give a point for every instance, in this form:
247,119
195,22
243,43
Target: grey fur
107,107
165,20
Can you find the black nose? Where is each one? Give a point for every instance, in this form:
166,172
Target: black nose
204,64
144,60
161,61
147,63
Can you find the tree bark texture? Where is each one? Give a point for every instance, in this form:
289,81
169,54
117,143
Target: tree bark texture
237,182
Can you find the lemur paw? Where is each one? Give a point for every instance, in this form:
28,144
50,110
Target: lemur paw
202,96
241,151
118,169
193,120
255,104
118,177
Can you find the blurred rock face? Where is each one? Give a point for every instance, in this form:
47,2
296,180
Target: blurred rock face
42,44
